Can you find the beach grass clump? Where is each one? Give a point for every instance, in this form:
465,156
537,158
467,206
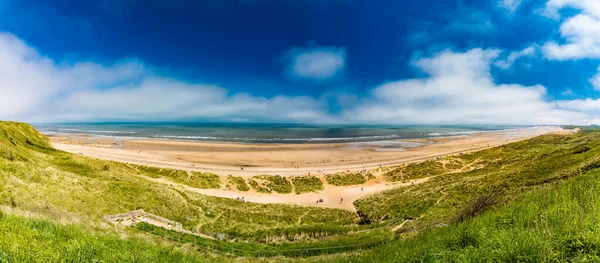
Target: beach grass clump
307,184
238,182
269,183
259,186
190,178
345,179
416,170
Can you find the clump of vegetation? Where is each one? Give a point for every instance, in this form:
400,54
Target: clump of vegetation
344,179
238,182
189,178
417,170
259,187
307,184
270,183
581,149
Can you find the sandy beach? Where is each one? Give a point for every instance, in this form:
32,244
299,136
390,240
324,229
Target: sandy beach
229,158
287,159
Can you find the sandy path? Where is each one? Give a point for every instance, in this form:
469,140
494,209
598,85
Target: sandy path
331,195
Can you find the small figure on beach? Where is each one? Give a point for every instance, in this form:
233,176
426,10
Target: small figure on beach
361,189
341,200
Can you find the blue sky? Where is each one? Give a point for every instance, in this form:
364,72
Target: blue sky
328,61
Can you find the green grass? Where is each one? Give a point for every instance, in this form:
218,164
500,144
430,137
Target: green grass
270,183
344,179
422,169
307,184
511,170
350,242
238,182
259,187
557,222
190,178
59,184
530,201
42,240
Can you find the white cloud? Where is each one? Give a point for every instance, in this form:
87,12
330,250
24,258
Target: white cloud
319,63
591,7
510,5
459,90
567,93
35,88
596,80
513,56
581,32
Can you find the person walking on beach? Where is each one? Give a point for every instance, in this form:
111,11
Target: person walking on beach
341,200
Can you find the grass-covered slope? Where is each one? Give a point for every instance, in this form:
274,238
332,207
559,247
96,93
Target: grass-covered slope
493,176
557,222
25,239
534,201
35,177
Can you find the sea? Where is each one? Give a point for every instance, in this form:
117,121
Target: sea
264,132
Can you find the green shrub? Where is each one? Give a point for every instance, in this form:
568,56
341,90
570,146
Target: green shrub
416,170
193,179
278,184
238,182
307,184
259,187
344,179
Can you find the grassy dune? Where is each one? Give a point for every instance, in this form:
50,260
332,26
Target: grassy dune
307,184
269,183
238,182
535,200
345,179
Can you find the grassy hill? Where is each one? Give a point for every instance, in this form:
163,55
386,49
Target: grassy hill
534,200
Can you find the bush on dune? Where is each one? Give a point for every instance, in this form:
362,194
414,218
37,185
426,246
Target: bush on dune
307,184
345,179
